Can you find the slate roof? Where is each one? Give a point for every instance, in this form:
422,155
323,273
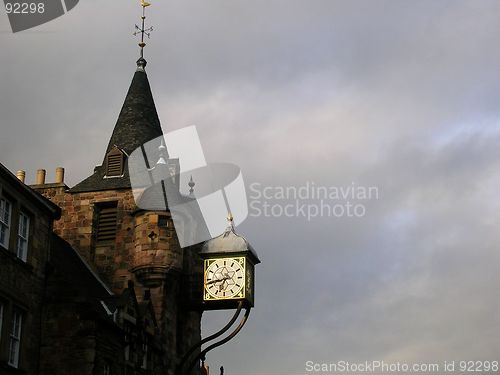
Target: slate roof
98,182
166,195
229,242
74,280
137,123
155,197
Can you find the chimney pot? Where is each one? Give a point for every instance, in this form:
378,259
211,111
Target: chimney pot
21,175
59,175
40,177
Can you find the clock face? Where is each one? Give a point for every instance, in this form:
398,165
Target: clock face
224,278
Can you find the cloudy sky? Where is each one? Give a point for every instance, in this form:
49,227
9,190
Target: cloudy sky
399,95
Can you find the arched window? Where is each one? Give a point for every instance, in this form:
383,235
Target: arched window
114,162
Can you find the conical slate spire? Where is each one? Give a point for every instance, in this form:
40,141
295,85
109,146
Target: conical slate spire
137,124
138,120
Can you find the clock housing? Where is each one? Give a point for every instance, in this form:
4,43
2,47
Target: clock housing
228,271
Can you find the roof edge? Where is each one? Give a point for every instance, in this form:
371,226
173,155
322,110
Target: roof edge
54,209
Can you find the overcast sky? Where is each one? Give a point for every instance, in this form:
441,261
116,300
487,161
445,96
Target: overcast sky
400,95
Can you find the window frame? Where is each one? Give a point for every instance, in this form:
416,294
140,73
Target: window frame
23,237
15,337
5,225
106,368
2,309
145,352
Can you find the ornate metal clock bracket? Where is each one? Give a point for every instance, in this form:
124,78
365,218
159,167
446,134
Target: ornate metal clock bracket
201,356
228,282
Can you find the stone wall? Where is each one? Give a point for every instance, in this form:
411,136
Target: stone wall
147,252
22,283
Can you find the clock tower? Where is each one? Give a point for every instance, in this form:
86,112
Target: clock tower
129,246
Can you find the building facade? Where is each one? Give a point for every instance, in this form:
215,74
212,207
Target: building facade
25,241
122,243
100,286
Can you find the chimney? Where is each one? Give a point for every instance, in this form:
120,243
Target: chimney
40,177
21,175
59,175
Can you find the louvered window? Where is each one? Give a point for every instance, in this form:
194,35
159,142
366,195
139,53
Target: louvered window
106,224
114,163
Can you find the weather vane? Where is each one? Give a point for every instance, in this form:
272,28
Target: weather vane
142,30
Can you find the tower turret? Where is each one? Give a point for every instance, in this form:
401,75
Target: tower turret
125,241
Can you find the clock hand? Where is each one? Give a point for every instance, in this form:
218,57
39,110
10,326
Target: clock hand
224,284
218,280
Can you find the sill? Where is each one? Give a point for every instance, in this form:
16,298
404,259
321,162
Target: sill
11,369
16,259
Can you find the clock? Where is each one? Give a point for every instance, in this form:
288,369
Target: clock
224,278
228,272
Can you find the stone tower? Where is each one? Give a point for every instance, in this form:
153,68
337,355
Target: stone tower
123,243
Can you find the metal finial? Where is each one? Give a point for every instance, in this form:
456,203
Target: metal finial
191,186
162,151
230,227
141,63
162,147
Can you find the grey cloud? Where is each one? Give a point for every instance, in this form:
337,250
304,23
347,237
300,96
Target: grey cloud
395,94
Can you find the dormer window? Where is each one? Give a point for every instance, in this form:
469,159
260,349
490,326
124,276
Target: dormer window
114,162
